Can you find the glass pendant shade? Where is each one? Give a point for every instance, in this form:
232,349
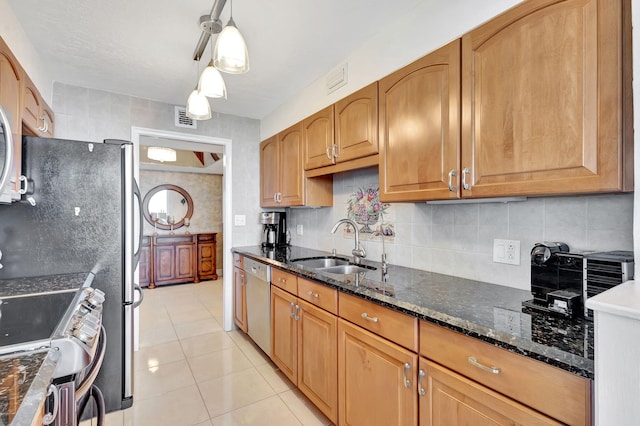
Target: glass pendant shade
198,106
161,154
230,54
211,83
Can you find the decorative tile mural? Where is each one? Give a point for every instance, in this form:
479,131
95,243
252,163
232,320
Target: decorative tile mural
366,209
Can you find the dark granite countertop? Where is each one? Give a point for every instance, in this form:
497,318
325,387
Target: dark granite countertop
24,381
489,312
44,284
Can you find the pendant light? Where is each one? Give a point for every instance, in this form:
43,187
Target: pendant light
230,54
211,83
198,107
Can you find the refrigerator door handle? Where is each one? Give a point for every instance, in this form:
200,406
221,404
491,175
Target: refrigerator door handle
136,255
136,287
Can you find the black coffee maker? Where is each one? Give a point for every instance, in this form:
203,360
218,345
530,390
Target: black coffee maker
544,268
274,229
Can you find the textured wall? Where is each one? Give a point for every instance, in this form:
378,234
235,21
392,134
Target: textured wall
458,239
206,193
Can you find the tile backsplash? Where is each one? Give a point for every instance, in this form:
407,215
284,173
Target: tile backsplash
457,239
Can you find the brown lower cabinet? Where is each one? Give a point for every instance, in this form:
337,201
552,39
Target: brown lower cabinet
361,363
376,383
304,342
172,259
447,398
240,298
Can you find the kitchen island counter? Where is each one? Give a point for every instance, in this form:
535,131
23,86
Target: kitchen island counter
489,312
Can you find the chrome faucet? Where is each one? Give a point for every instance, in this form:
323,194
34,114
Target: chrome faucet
358,252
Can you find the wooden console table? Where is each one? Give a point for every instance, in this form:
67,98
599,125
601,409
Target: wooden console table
172,259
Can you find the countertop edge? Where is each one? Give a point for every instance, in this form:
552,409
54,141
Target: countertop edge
622,300
37,392
503,340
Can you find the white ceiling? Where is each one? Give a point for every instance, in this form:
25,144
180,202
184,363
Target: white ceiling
145,48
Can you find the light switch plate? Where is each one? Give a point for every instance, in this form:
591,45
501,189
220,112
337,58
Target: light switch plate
240,220
506,251
299,229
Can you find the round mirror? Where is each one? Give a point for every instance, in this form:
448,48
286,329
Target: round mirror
167,207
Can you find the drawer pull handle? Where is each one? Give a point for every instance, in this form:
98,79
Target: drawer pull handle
421,390
407,368
368,318
312,294
282,280
475,363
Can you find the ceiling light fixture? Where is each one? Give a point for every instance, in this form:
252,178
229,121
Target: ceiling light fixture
230,54
161,154
211,83
198,107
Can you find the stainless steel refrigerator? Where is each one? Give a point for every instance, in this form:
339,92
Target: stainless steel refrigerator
77,215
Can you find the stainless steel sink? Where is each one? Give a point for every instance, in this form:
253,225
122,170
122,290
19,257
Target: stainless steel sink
332,265
347,269
321,262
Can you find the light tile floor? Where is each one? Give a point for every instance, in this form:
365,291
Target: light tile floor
189,371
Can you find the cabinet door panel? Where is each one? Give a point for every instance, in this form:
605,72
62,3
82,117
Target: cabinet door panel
239,299
371,373
318,358
356,124
164,263
291,167
542,100
420,128
185,261
318,139
284,333
451,399
269,175
10,95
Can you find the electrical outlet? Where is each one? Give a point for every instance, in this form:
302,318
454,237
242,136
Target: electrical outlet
240,220
506,251
299,229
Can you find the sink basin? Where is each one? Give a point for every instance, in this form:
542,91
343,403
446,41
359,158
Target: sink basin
347,269
321,262
332,265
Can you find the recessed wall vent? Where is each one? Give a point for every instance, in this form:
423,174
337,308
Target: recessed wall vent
337,78
181,119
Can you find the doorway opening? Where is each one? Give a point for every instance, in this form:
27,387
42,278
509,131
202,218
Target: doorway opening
142,137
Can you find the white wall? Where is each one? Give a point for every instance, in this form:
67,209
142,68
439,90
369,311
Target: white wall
431,24
94,115
13,34
458,239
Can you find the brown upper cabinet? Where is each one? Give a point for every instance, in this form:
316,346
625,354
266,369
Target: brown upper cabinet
543,100
539,108
420,128
10,95
37,117
283,182
343,132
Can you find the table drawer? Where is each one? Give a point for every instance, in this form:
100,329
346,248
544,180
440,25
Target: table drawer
550,390
317,294
284,280
392,325
238,261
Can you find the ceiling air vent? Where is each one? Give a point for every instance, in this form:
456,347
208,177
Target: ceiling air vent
336,78
181,119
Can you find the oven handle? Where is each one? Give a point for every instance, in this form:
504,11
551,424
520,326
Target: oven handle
84,387
48,418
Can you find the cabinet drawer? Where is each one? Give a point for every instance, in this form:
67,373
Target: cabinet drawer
548,389
238,261
319,295
395,326
284,280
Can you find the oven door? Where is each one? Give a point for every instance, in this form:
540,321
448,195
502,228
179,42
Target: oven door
6,157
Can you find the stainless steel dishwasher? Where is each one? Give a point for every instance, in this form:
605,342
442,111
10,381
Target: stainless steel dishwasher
259,303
